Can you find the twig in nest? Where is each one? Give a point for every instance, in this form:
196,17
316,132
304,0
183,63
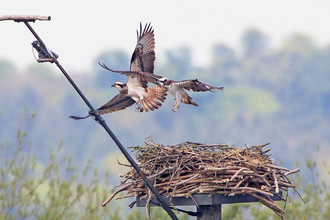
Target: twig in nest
192,197
148,206
269,203
235,175
253,190
115,193
125,165
126,196
292,171
275,182
187,180
132,204
240,182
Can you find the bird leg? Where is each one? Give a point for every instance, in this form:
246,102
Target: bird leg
139,107
176,106
178,96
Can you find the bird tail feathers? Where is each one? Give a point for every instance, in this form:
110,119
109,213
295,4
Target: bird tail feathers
157,95
186,99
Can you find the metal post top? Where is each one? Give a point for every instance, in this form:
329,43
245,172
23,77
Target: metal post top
26,18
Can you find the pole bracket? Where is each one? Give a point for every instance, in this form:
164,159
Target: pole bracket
44,54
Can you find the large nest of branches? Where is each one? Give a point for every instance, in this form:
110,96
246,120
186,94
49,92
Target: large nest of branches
189,168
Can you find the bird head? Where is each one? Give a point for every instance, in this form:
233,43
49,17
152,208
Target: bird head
119,85
162,81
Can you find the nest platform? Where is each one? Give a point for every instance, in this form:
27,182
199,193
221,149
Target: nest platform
206,174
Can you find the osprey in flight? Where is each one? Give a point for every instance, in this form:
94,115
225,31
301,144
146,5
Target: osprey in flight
176,88
136,90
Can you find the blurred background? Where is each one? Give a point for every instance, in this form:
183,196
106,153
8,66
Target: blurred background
271,57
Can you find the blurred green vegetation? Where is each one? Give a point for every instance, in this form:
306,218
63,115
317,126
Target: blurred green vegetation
56,190
32,190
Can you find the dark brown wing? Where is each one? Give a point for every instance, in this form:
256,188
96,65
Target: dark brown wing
144,77
143,57
117,103
197,86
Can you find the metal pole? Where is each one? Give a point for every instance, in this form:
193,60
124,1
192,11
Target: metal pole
209,212
105,126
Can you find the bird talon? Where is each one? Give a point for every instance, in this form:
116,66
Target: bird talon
139,108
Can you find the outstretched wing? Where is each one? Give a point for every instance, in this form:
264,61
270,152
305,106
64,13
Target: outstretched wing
117,103
143,57
142,76
197,86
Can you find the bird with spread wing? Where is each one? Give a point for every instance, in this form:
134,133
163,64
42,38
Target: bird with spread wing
176,88
136,89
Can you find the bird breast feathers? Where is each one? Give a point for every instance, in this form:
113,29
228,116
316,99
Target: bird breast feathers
136,87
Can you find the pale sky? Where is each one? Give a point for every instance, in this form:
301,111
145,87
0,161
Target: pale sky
81,29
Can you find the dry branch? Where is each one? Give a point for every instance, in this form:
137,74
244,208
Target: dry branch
114,194
292,172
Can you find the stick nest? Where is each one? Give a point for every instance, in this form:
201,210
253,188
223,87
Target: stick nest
189,168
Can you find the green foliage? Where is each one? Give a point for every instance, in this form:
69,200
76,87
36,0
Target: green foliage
233,211
180,60
43,71
56,190
300,44
118,59
156,213
254,43
315,191
29,189
255,101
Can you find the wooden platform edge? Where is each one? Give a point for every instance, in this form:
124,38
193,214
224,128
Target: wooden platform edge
207,199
